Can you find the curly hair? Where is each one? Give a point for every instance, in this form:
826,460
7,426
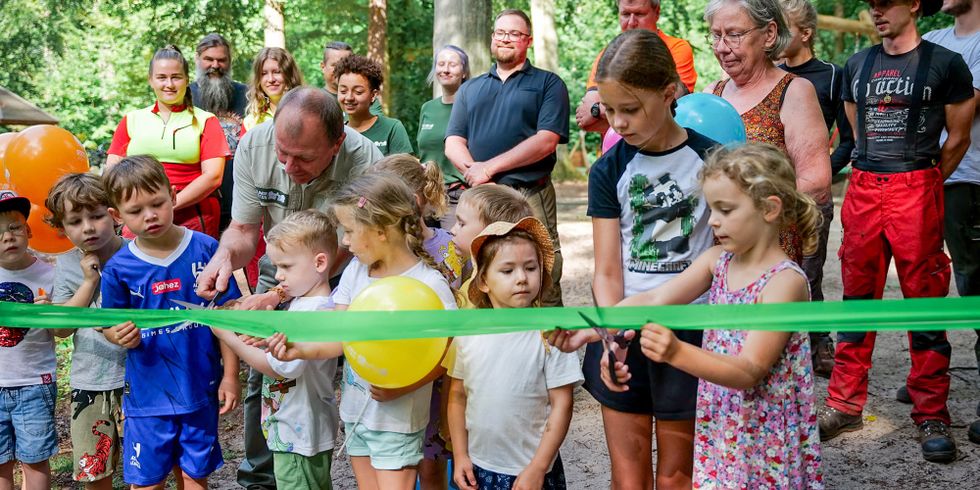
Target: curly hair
761,170
258,100
360,65
82,190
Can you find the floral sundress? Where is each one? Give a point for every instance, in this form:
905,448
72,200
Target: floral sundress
765,437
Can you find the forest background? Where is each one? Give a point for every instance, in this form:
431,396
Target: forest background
85,61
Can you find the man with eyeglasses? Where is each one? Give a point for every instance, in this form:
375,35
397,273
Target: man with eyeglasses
506,124
635,14
899,96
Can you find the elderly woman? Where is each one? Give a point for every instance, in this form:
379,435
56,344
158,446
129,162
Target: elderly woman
777,107
450,68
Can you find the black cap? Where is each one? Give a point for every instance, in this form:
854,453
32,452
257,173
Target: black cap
927,7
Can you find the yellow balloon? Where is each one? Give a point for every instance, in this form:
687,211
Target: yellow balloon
395,363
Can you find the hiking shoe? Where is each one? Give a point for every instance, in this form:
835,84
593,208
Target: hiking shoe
973,433
832,422
902,395
937,445
823,358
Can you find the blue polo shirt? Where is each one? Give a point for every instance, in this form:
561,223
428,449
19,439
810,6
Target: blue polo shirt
495,116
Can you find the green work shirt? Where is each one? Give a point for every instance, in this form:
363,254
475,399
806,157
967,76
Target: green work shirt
389,136
431,138
263,191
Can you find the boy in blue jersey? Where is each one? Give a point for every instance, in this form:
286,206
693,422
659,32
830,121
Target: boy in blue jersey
174,377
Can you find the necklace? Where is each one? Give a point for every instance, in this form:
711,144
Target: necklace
887,99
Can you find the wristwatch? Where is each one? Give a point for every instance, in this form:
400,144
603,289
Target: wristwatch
595,110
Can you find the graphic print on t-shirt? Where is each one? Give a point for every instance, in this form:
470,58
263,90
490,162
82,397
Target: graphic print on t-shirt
660,209
14,292
888,106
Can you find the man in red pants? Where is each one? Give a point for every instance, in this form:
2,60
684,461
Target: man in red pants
899,96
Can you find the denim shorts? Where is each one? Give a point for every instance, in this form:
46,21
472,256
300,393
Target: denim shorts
387,450
27,431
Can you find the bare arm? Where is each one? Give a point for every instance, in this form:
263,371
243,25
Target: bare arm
458,153
807,148
529,151
111,160
203,185
253,356
607,283
959,118
682,289
230,388
742,371
236,249
456,414
555,430
583,114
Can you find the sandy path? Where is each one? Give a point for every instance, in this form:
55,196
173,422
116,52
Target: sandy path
884,454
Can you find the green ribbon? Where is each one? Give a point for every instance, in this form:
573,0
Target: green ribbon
844,316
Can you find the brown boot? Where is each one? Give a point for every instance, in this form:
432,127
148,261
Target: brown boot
823,357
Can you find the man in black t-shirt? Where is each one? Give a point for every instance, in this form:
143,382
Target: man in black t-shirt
899,96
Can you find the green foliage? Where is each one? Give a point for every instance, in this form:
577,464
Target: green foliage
85,61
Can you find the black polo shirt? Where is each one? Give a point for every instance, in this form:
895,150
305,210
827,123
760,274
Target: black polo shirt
495,116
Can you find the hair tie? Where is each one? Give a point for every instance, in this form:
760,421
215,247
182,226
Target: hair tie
361,202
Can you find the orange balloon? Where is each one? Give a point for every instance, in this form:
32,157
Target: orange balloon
38,156
44,237
5,140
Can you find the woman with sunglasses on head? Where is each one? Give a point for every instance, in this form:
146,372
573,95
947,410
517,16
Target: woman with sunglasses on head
188,141
777,107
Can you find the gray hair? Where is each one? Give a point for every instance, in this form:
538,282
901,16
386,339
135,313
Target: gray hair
317,102
213,40
803,14
464,60
761,12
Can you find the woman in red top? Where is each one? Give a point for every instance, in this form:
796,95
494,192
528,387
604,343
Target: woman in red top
188,142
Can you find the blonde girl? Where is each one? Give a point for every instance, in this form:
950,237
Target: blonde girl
756,420
385,428
510,400
274,72
425,179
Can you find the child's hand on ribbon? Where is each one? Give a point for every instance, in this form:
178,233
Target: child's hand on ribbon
658,343
124,335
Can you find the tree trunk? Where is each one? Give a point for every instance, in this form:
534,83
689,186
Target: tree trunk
275,24
467,24
545,35
378,43
839,37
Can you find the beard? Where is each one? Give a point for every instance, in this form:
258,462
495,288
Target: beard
958,8
215,92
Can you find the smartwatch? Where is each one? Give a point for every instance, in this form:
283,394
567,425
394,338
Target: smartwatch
595,110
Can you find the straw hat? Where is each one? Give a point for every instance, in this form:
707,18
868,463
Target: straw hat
502,228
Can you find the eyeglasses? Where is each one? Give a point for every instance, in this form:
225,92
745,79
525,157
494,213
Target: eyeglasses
501,35
733,40
15,229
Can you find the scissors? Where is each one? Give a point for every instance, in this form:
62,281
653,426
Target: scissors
608,340
192,306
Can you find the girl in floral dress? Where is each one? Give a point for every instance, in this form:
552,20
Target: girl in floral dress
756,423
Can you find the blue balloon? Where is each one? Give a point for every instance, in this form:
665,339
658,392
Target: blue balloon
711,116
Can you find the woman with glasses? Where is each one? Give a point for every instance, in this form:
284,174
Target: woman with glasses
777,107
450,68
188,141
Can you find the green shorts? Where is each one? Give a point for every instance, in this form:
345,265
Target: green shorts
96,427
387,450
295,471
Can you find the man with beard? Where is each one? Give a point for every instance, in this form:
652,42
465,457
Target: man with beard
961,191
214,91
506,124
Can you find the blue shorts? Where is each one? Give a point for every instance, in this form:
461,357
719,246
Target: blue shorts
656,388
489,480
152,446
387,450
27,431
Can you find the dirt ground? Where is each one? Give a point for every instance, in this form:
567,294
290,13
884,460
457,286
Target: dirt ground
883,455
